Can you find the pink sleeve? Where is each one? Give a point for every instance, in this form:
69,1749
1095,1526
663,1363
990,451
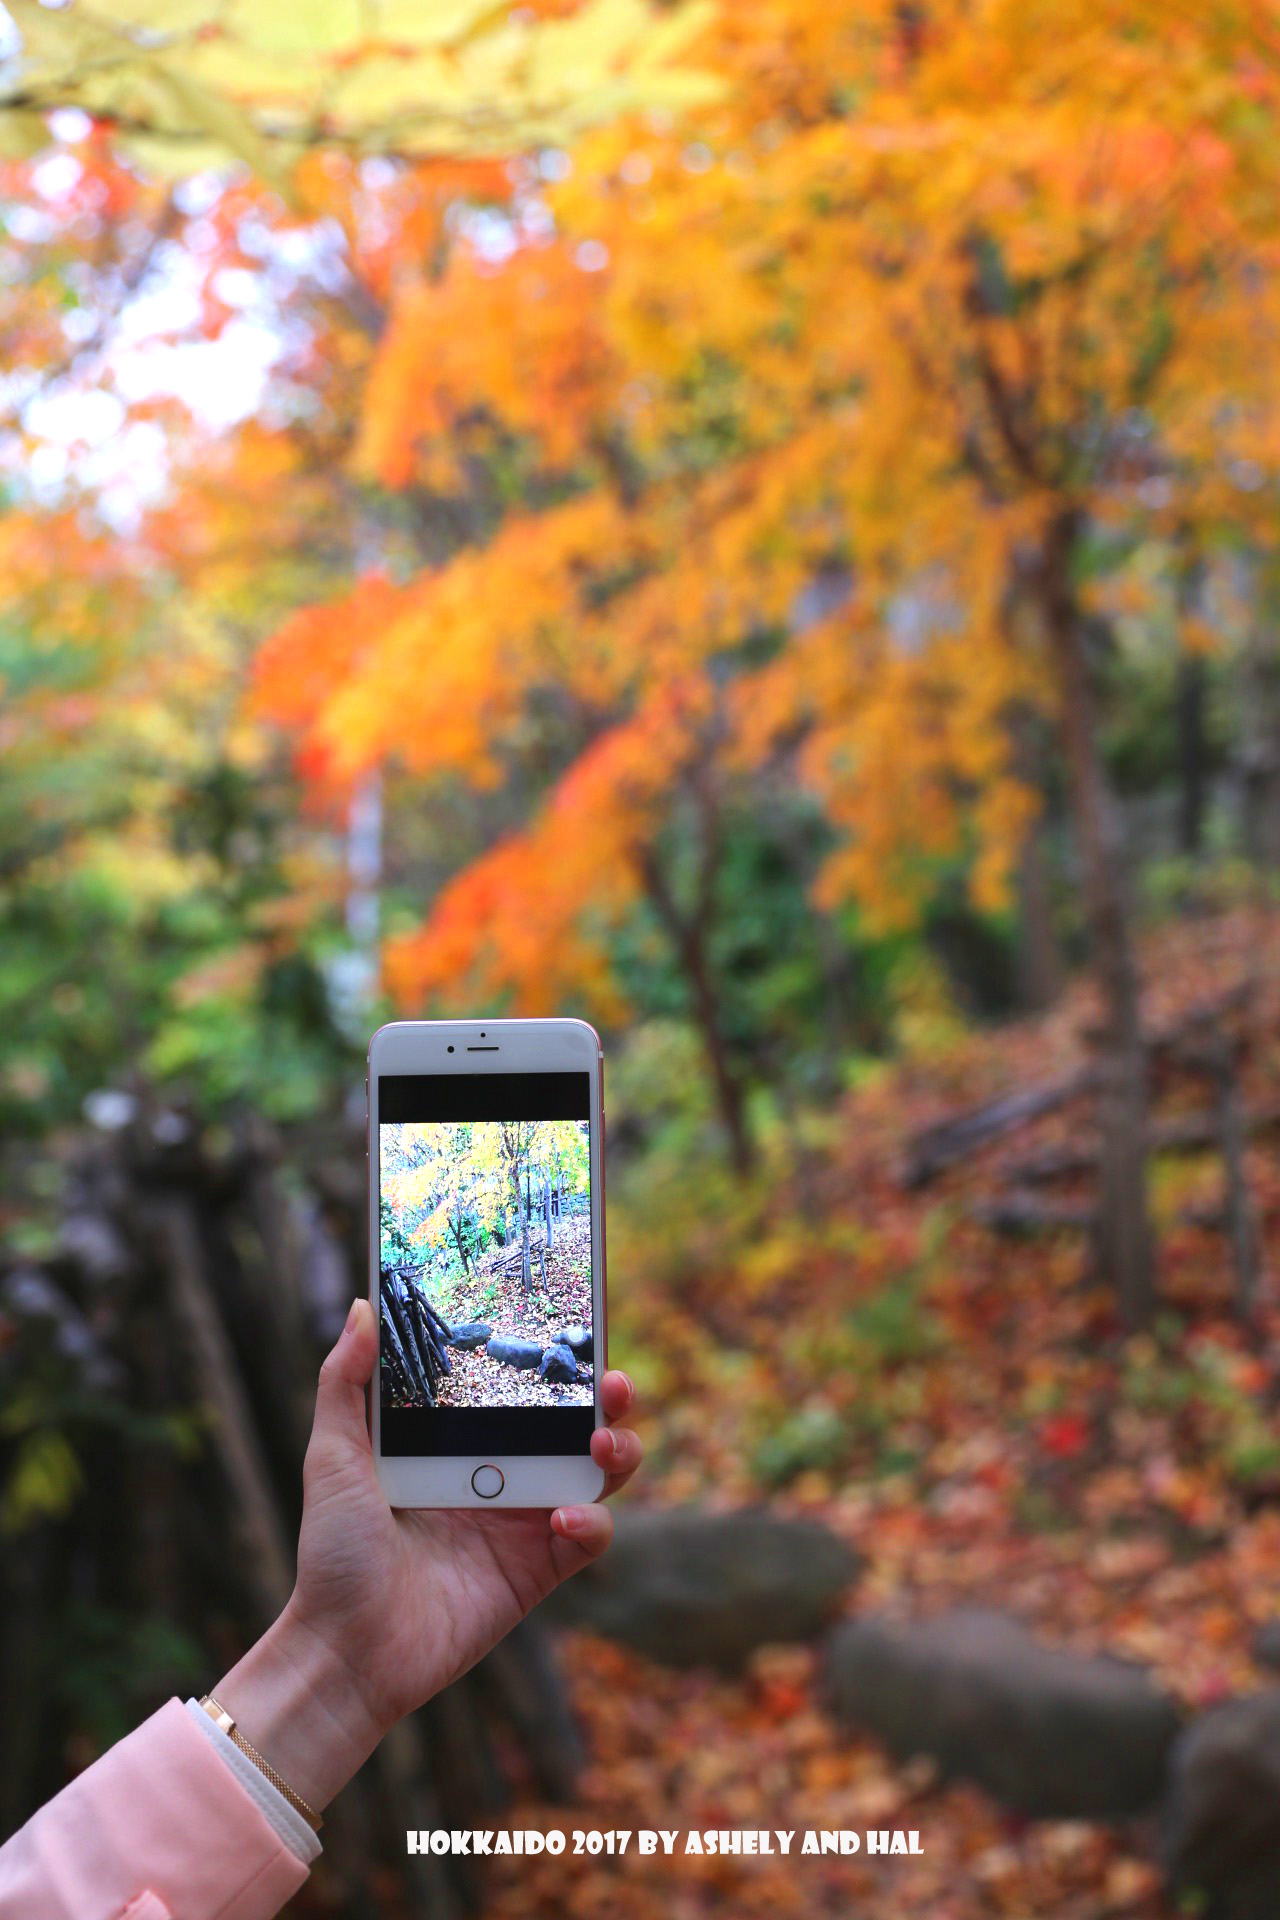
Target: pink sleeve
157,1829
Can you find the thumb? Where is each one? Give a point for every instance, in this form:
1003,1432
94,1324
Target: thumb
340,1430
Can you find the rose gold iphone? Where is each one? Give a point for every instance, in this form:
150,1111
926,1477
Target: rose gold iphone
487,1270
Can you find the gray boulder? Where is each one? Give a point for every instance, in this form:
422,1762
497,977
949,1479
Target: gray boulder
558,1366
577,1339
513,1351
1051,1735
472,1335
692,1588
1220,1836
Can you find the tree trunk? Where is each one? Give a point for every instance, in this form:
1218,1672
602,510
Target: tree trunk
1125,1249
1191,753
687,935
1038,958
1190,702
1259,742
729,1094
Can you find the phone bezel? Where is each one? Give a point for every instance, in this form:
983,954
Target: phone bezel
512,1046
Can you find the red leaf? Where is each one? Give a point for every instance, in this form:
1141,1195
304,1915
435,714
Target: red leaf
1065,1435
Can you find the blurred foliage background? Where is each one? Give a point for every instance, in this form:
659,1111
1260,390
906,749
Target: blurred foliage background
756,526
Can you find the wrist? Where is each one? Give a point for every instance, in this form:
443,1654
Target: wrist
301,1704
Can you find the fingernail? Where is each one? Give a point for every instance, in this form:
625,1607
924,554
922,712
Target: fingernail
631,1385
572,1519
351,1317
612,1439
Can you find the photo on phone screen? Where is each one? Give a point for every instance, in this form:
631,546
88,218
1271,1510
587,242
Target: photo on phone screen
485,1251
488,1224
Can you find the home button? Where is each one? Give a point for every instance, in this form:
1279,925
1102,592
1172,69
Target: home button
487,1482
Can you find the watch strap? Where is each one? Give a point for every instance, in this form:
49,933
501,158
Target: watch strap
221,1718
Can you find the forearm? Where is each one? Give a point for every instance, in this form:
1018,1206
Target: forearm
302,1705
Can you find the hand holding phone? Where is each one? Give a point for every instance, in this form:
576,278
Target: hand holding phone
390,1607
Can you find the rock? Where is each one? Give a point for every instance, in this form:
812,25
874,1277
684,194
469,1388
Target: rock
1051,1735
692,1588
513,1351
577,1339
470,1336
1266,1645
559,1366
1220,1837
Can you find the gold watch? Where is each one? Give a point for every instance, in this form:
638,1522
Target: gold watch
220,1717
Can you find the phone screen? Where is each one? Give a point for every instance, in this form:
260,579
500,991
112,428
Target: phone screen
485,1261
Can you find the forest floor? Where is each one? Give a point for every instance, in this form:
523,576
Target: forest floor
967,1410
498,1297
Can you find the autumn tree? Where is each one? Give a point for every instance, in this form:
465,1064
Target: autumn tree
148,156
888,364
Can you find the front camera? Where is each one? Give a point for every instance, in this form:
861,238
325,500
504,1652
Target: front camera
451,1049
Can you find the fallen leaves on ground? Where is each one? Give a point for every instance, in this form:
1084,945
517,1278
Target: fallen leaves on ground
984,1431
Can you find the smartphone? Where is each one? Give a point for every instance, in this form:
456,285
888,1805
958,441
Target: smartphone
487,1261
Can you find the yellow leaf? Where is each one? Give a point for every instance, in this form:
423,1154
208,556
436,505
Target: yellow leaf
22,134
43,1483
1198,635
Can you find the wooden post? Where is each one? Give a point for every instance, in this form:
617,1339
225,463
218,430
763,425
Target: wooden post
267,1555
414,1362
